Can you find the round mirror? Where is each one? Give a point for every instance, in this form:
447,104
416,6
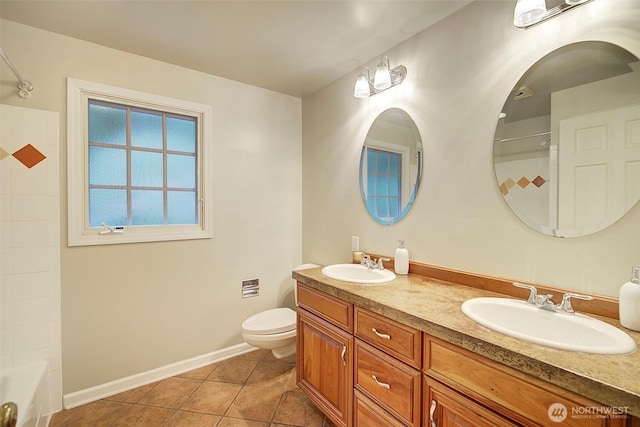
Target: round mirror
390,166
566,150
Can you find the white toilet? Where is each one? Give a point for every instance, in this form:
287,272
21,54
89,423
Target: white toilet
274,329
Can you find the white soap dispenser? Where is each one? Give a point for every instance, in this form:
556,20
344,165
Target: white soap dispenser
630,301
401,259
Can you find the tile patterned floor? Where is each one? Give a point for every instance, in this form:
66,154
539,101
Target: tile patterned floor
250,390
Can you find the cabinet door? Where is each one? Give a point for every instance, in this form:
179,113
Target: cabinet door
325,367
444,407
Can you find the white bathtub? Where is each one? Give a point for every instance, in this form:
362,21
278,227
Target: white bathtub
28,387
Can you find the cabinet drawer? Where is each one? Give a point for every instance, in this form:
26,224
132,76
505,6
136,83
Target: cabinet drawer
326,306
518,396
444,407
402,342
367,414
390,383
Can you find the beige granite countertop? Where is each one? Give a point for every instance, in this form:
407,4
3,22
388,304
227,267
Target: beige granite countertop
433,306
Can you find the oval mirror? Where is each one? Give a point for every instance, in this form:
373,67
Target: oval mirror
390,166
566,150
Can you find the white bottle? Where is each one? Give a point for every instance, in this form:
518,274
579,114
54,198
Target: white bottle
630,301
401,261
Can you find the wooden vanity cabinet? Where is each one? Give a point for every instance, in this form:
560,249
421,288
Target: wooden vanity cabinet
364,369
325,353
462,388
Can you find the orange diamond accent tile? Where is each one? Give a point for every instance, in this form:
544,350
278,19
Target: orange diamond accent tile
503,189
538,181
29,156
523,182
3,153
510,183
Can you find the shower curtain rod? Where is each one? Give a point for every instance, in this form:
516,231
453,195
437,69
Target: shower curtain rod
522,137
24,86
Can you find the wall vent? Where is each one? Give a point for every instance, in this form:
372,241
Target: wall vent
250,288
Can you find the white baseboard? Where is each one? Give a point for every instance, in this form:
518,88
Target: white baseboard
92,394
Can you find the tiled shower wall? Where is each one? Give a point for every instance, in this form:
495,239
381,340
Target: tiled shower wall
525,185
30,242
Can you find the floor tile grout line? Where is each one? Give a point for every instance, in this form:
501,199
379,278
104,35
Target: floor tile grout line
284,391
243,384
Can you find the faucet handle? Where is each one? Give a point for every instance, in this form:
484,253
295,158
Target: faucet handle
380,264
365,260
533,292
566,306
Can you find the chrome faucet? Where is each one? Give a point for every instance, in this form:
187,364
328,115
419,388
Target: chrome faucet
369,263
546,303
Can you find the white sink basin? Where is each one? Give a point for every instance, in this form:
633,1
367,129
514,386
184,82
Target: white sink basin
357,273
574,332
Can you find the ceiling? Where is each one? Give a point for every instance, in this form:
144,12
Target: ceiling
292,47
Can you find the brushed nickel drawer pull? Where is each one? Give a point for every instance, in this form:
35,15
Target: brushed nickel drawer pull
381,335
432,412
344,351
383,385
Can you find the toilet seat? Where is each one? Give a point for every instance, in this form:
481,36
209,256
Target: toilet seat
272,321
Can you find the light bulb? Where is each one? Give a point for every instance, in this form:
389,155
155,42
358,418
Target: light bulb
382,79
361,89
528,12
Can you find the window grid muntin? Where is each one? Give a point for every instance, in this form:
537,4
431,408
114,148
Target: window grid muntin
128,147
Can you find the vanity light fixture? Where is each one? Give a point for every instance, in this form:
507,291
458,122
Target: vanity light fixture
531,12
384,78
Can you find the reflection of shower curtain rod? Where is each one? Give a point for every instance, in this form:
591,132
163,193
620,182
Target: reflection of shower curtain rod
24,86
523,137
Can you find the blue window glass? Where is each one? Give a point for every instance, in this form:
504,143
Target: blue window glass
181,171
107,124
383,162
147,207
383,207
107,166
394,165
371,159
181,135
383,186
394,186
393,208
181,207
371,185
146,130
108,206
146,169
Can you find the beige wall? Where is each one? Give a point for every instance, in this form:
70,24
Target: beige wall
130,308
460,72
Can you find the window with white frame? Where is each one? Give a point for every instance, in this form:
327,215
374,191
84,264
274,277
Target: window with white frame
136,166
